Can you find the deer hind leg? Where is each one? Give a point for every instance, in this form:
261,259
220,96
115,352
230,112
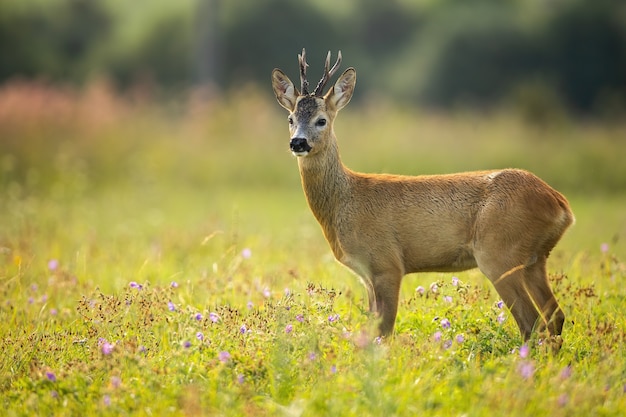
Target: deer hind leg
525,290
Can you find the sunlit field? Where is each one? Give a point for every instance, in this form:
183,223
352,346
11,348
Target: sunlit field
160,259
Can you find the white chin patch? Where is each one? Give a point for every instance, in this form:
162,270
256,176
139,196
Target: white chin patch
300,154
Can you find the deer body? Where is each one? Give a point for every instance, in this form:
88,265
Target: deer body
382,226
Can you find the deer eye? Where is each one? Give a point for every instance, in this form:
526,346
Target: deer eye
290,120
321,122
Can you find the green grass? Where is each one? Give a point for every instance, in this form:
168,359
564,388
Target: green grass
207,196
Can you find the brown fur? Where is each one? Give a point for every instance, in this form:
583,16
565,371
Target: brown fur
382,227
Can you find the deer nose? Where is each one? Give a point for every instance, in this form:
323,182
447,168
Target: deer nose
299,145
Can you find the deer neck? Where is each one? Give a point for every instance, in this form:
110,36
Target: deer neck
325,181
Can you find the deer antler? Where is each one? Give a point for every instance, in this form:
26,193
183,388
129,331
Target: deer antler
304,84
328,73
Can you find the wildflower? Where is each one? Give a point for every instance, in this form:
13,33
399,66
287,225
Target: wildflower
197,316
200,336
240,378
174,284
434,287
333,318
287,292
378,340
53,264
437,336
300,318
266,292
106,400
455,281
523,351
288,328
116,381
250,305
186,344
171,306
501,318
445,323
224,356
53,312
526,370
604,248
312,356
214,317
54,394
142,349
333,369
460,338
243,329
420,290
447,344
246,253
447,299
107,348
51,376
500,304
44,298
135,285
566,372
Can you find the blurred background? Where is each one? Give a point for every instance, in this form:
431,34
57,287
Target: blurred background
163,110
539,55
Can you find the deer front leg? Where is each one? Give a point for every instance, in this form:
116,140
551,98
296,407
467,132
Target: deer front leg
386,295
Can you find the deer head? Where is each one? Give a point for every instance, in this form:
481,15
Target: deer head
311,114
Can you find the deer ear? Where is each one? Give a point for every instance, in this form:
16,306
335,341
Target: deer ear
341,93
284,90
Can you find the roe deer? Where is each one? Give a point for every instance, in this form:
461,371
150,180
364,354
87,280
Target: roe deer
382,226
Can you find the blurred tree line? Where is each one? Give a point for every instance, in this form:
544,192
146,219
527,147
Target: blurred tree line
538,53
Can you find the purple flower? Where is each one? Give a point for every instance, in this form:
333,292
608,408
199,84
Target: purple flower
171,306
243,329
604,248
287,292
566,372
447,344
246,253
53,264
312,356
224,356
266,292
526,370
445,324
378,340
447,299
200,336
333,369
107,348
186,344
240,378
333,318
106,400
135,285
500,304
250,305
501,318
434,287
51,377
198,316
174,284
420,290
300,318
524,351
214,317
437,336
116,381
455,281
460,338
54,312
288,328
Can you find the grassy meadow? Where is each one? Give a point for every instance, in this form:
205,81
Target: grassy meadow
160,259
